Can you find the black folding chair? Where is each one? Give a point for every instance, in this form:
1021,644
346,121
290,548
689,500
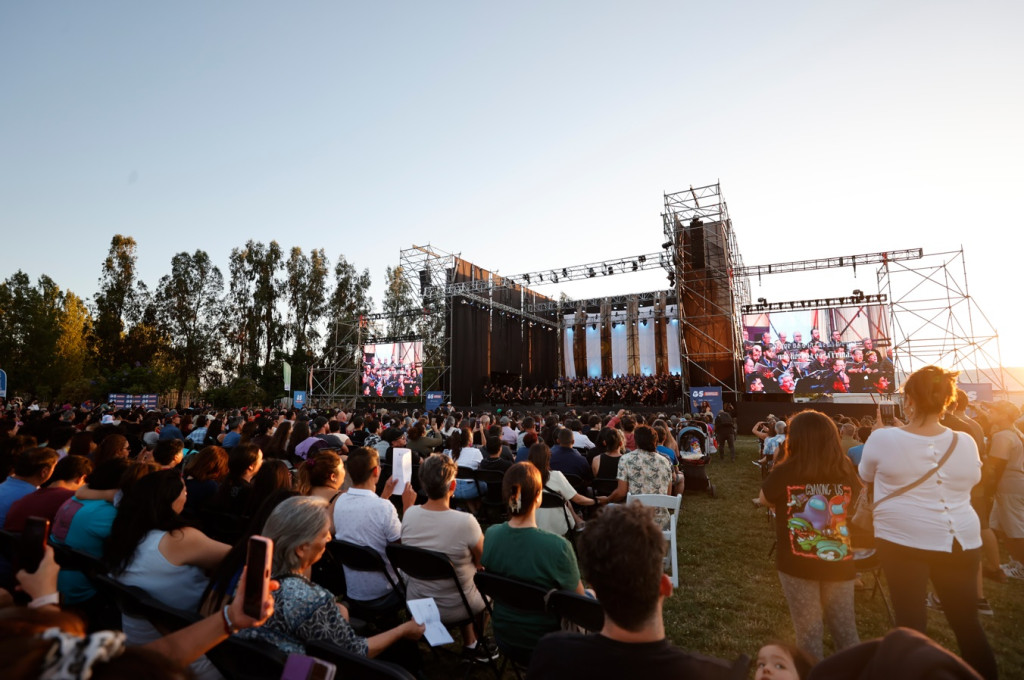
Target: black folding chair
550,499
222,526
362,558
605,487
240,658
351,665
518,595
429,565
583,611
492,500
136,602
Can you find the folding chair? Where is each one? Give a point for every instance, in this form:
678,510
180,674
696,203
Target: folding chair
351,665
136,602
362,558
492,500
583,611
515,594
430,565
550,499
604,487
77,560
240,658
670,503
868,561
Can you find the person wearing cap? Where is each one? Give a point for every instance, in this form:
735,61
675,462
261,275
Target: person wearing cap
393,438
509,436
170,429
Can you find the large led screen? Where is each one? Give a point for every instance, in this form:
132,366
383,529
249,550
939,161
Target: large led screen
819,351
393,370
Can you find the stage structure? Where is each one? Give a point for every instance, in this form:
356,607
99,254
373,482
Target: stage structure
334,380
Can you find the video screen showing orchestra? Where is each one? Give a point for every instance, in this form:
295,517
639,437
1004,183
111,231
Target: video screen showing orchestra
393,370
819,351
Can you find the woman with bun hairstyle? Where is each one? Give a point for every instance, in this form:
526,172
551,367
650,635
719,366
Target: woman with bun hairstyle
929,531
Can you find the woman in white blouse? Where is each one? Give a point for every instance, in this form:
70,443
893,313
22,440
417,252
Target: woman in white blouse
930,532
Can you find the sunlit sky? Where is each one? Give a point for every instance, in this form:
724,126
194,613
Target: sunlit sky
524,136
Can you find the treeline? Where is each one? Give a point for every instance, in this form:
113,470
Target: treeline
193,331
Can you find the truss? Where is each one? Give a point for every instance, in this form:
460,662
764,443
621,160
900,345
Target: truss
428,270
335,383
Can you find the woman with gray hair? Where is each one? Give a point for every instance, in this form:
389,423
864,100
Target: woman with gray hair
304,611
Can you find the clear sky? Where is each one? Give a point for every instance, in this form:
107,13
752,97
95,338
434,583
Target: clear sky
523,136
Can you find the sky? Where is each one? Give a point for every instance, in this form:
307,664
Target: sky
523,136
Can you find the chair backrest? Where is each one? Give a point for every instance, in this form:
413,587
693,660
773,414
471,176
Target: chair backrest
512,592
240,658
8,544
550,499
585,612
658,500
604,487
134,601
351,665
420,563
77,560
577,482
359,558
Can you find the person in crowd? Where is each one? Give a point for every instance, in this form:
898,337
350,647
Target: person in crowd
812,488
32,468
305,612
494,459
322,475
422,443
435,526
362,517
725,432
854,453
643,471
529,426
557,520
621,552
151,547
523,452
519,549
782,661
244,462
567,460
509,433
930,531
464,455
112,446
68,475
168,453
197,437
606,464
170,430
1004,482
772,445
233,435
215,432
204,473
393,438
273,476
278,446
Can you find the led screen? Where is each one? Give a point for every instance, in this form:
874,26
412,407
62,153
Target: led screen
393,370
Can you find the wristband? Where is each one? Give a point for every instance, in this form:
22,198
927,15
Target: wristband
229,628
43,600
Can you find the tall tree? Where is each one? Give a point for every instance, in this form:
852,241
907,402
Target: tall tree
119,302
306,293
188,302
73,352
255,327
400,303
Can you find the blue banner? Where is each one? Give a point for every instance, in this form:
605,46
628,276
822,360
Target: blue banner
434,400
977,391
299,399
3,384
712,395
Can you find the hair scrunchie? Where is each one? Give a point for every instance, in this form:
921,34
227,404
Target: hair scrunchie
515,502
72,657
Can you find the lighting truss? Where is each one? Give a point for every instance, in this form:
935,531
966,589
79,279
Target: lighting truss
819,303
487,303
881,258
555,305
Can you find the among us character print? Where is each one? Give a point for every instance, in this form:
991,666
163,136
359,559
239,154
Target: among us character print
817,521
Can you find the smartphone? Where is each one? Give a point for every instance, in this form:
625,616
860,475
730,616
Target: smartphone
257,577
888,411
302,667
32,543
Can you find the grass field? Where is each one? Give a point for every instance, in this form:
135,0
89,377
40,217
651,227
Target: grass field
729,601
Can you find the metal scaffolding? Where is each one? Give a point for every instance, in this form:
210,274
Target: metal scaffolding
428,270
335,382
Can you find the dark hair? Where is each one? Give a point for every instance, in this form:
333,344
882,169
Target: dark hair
813,450
529,439
135,471
146,506
863,433
459,440
70,468
278,446
621,555
931,389
107,475
241,458
210,463
112,446
520,487
611,439
565,437
529,423
493,446
316,471
416,431
361,463
300,433
34,461
436,474
645,438
214,428
540,456
166,450
802,661
273,476
81,444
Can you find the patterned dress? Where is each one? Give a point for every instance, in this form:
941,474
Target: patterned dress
647,472
303,612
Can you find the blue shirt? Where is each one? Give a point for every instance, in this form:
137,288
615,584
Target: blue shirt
570,462
231,440
523,454
171,432
82,525
11,490
855,453
668,453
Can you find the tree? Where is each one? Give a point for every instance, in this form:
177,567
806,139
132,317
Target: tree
306,291
254,327
351,297
119,302
189,310
73,353
400,303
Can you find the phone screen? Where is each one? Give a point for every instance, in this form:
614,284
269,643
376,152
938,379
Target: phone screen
257,578
887,413
33,540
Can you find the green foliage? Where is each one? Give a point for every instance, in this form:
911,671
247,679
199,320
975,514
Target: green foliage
239,392
399,300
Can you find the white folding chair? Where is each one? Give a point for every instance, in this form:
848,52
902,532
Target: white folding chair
670,503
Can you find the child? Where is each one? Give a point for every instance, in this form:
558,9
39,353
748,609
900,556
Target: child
780,661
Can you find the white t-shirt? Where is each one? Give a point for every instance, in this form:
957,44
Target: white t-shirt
556,520
363,518
932,514
468,457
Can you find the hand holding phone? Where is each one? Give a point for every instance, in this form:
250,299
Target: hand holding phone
887,411
33,543
257,577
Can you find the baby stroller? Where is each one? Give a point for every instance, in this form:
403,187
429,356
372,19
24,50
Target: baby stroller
694,454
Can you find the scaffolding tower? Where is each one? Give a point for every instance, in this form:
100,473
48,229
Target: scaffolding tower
335,381
428,271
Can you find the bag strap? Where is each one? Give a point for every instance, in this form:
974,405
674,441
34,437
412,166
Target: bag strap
903,489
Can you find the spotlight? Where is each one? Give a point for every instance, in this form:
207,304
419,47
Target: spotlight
463,300
593,326
554,277
527,277
635,266
762,301
644,323
858,293
666,245
565,272
610,271
642,258
591,273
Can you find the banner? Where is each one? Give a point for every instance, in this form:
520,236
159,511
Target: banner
3,384
434,400
287,376
712,395
147,401
299,399
977,391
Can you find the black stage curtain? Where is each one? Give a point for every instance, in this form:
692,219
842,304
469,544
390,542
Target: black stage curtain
470,340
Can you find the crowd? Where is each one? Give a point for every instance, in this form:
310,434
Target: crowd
794,367
166,501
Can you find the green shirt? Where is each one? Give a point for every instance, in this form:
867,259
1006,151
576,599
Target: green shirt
534,556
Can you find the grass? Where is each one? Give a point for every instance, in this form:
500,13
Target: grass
729,601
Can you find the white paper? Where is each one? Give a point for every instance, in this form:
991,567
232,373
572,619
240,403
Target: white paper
424,612
401,469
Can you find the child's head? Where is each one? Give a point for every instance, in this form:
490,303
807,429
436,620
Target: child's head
779,661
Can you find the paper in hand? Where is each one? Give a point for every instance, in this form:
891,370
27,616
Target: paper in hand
401,469
424,612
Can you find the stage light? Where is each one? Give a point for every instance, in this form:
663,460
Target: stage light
539,276
635,266
554,277
463,300
593,326
644,323
527,277
762,301
858,293
565,272
592,273
610,271
642,258
666,245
